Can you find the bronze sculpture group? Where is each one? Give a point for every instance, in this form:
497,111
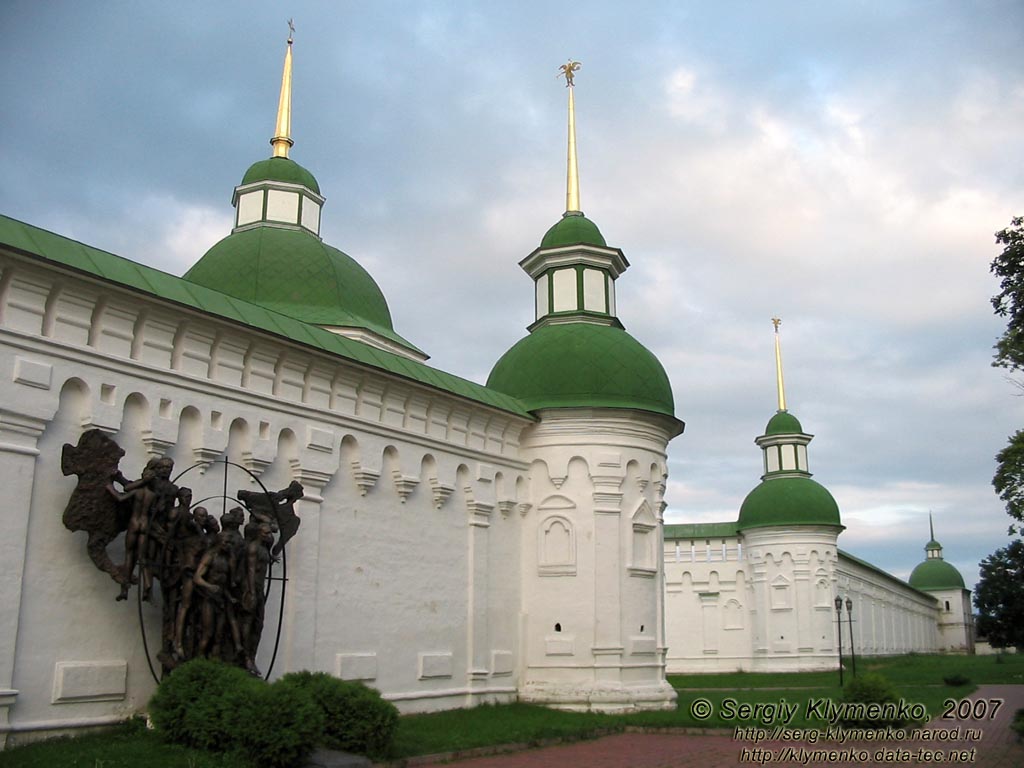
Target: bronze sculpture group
212,576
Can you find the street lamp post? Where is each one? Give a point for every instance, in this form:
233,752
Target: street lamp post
849,616
839,632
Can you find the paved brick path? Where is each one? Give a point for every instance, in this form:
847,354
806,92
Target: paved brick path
997,748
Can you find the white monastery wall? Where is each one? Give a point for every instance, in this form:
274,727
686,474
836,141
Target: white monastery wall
406,569
764,601
889,616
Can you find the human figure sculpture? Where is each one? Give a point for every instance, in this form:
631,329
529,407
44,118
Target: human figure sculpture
213,582
258,540
213,577
152,496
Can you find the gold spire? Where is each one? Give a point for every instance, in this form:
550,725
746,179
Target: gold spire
572,181
778,365
282,140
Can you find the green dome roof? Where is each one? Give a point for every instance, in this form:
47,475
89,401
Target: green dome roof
783,423
788,501
280,169
573,230
936,573
293,272
565,365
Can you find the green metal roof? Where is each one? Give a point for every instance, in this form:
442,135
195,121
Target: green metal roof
934,574
786,501
566,365
39,243
783,423
293,272
573,229
701,530
280,169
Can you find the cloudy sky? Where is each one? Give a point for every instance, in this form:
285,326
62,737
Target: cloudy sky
842,165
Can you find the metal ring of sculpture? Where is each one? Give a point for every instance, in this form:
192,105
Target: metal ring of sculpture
270,578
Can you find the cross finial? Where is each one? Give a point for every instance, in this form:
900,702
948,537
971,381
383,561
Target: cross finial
291,31
776,322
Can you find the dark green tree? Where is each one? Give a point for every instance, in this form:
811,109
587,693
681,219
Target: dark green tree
1009,302
1008,266
999,599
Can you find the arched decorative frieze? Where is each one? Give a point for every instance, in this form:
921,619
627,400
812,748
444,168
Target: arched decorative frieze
239,448
73,407
404,484
135,421
188,425
364,477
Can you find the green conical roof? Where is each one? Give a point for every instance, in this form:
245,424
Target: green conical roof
568,365
293,272
934,574
786,501
573,230
783,423
280,169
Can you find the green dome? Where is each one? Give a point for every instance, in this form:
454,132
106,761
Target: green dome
565,365
934,574
788,501
280,169
783,423
293,272
573,230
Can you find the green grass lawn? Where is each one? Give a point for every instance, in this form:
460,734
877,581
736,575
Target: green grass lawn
126,746
918,679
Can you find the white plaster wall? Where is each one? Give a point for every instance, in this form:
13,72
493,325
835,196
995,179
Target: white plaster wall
602,471
890,617
405,571
707,607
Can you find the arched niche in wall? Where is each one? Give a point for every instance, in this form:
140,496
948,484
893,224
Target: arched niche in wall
732,614
643,558
822,590
556,538
781,597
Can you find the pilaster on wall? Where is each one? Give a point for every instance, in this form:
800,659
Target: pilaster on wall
608,640
19,436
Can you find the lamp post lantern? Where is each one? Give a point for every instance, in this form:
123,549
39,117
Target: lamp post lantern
839,632
849,616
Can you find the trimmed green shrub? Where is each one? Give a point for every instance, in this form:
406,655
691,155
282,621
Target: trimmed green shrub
188,706
956,679
273,725
356,718
871,688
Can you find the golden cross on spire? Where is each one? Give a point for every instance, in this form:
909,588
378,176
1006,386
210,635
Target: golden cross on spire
282,140
572,178
778,365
